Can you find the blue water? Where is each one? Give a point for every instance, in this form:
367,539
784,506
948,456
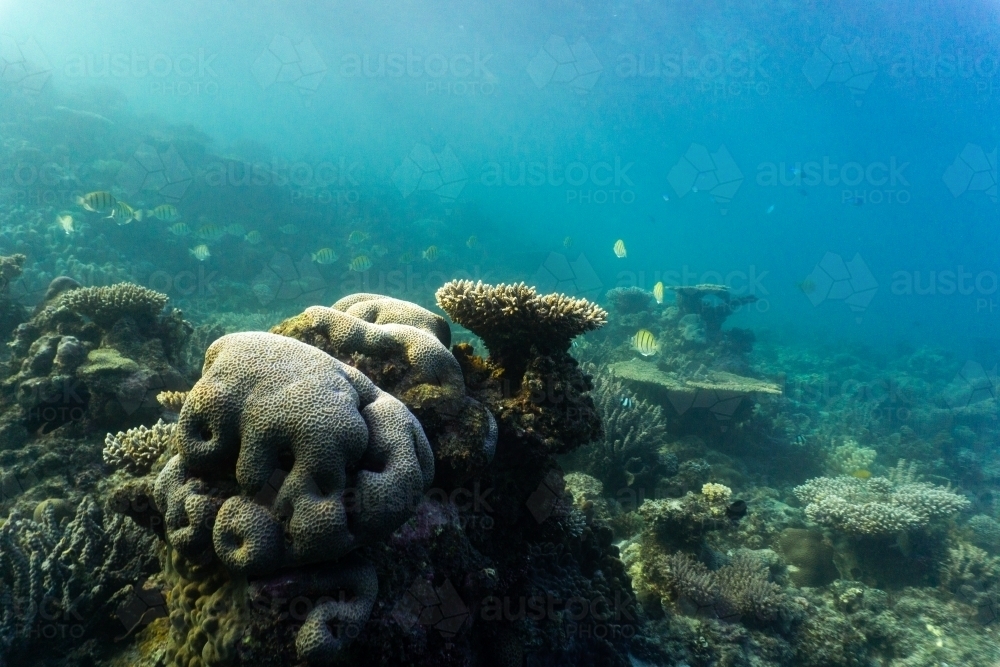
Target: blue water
909,85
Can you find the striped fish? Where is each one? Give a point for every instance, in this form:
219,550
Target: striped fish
98,202
658,292
431,254
360,264
123,214
357,237
164,213
324,256
620,249
252,237
644,342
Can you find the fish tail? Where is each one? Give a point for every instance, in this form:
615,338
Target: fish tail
137,214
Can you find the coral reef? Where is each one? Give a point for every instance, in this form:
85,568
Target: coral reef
513,319
712,304
107,305
629,300
137,449
413,365
62,579
313,460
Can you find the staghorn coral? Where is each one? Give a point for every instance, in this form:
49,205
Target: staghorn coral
379,309
61,580
137,449
629,300
876,506
850,457
311,461
172,400
106,305
511,319
411,364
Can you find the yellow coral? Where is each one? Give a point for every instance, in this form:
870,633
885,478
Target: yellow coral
717,496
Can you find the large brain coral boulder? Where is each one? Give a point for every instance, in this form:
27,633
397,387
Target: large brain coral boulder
401,348
288,458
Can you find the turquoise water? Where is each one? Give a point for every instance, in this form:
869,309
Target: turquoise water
835,160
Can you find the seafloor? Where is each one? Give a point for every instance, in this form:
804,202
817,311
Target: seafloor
458,474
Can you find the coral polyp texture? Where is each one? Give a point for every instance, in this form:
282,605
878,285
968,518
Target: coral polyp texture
137,449
106,305
876,506
398,345
511,319
286,458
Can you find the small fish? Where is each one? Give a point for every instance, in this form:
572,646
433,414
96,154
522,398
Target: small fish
628,402
179,229
200,252
856,201
357,238
325,256
65,221
795,171
210,232
98,202
406,257
807,286
123,214
252,237
620,249
694,189
658,292
800,439
568,242
431,254
235,229
360,264
472,241
770,209
379,250
164,213
644,342
666,197
737,510
861,474
288,229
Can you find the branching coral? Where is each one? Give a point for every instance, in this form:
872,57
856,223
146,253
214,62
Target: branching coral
69,575
172,400
106,305
137,449
876,506
629,300
511,319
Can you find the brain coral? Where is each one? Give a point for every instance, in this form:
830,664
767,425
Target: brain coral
349,457
379,309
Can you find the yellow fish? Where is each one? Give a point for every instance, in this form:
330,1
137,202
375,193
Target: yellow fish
380,250
288,229
252,237
325,256
644,342
620,249
123,214
360,264
179,229
357,237
65,221
98,202
235,229
472,242
861,474
568,241
200,252
430,254
164,213
210,232
658,292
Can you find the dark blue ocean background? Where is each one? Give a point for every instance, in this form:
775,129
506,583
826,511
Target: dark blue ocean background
889,96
